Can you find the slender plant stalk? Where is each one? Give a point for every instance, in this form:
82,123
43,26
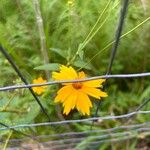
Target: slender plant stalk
115,46
7,140
109,44
25,20
70,23
99,18
92,33
15,67
8,103
10,110
42,34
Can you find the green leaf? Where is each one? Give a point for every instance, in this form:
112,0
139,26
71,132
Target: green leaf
145,93
80,63
31,115
81,52
51,67
60,52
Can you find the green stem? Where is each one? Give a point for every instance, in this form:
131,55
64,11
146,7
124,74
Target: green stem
7,140
42,35
99,18
5,107
90,35
109,44
10,110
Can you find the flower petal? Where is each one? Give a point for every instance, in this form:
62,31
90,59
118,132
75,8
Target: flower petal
66,73
70,103
94,83
81,75
69,71
83,103
63,93
97,93
39,90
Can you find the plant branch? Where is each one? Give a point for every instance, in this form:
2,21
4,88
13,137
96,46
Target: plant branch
42,34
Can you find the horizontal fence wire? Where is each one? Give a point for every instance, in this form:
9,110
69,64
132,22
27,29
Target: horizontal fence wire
137,133
89,132
94,137
100,137
112,140
95,143
16,131
79,137
136,75
77,121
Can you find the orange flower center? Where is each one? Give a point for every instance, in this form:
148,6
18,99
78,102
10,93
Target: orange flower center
77,85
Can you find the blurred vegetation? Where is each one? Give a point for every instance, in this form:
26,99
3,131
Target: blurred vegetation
66,26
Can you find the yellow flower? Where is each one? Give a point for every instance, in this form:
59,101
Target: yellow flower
76,95
71,3
41,89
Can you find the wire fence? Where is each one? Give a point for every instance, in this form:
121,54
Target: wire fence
71,140
78,121
136,75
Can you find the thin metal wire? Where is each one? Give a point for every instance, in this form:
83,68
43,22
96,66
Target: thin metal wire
126,135
118,139
20,132
96,131
146,101
112,42
118,34
78,139
86,133
97,138
119,29
9,58
77,121
136,75
87,79
91,145
143,104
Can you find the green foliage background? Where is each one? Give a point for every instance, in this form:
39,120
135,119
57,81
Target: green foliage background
66,26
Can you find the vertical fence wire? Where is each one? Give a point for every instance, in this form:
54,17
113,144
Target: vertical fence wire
11,61
119,29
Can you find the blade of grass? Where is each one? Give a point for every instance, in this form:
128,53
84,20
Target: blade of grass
123,12
7,140
109,44
93,28
90,35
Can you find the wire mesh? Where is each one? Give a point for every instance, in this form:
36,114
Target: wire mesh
90,139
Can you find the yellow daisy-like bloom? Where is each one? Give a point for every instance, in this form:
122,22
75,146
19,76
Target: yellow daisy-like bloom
41,89
71,3
76,95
